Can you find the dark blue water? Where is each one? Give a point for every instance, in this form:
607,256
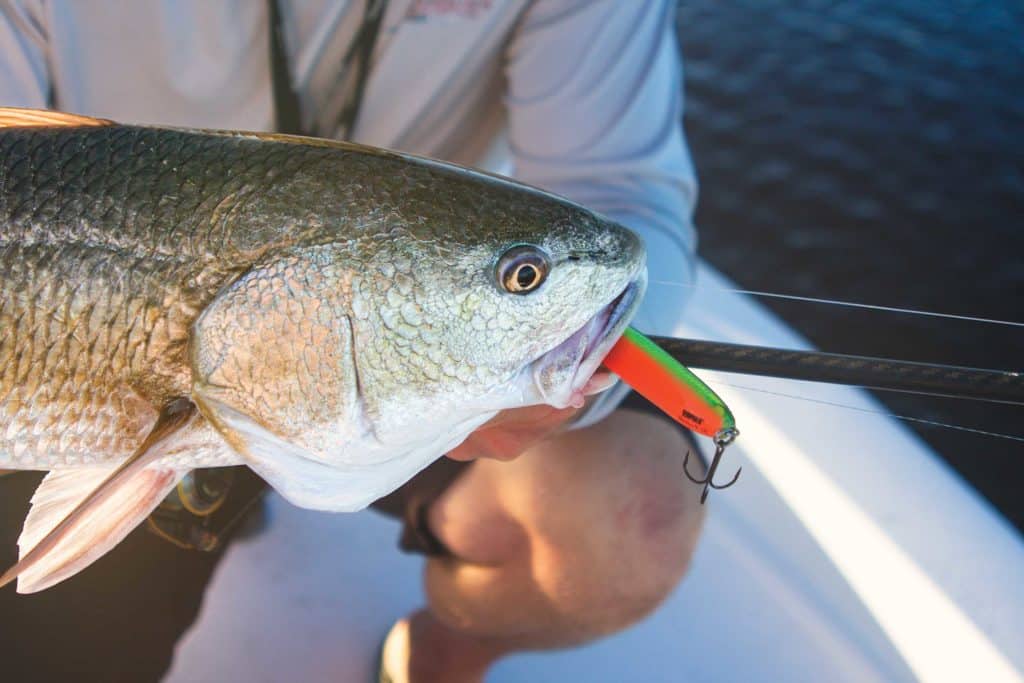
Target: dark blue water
873,151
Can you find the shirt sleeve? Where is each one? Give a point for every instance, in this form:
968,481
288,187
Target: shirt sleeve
595,114
24,77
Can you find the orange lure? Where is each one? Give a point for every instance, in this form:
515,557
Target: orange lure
673,388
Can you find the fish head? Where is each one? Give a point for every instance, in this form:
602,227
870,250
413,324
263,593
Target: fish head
515,306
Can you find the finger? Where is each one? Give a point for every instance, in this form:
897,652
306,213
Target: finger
511,432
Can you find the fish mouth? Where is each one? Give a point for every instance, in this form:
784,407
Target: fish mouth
568,373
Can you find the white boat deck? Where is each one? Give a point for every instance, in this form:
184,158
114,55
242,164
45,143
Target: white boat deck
847,551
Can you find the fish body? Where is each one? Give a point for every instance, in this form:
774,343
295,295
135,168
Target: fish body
335,316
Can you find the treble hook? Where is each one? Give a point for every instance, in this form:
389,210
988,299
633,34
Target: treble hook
722,439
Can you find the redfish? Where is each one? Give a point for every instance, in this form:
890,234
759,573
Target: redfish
333,316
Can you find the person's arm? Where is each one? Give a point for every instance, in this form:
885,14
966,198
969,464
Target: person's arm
595,112
24,77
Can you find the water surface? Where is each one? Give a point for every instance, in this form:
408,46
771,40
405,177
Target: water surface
873,151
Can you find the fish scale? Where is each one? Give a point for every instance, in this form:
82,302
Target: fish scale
55,359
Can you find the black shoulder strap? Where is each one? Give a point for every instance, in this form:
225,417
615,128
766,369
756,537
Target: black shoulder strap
288,112
286,101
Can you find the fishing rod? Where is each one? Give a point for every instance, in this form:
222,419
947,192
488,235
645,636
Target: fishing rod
933,379
658,368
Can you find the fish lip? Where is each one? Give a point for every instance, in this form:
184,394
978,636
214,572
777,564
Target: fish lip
617,315
601,332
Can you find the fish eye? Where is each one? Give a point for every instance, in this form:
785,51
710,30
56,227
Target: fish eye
522,269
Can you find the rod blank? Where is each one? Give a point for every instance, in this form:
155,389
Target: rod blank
997,386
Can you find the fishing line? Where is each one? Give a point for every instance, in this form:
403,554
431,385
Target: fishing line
921,420
836,302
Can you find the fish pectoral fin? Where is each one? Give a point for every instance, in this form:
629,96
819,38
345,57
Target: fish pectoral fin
79,514
98,528
18,117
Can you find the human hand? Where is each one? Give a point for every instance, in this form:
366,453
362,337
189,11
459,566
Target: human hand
509,433
506,435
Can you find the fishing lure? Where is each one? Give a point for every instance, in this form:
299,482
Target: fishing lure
673,388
